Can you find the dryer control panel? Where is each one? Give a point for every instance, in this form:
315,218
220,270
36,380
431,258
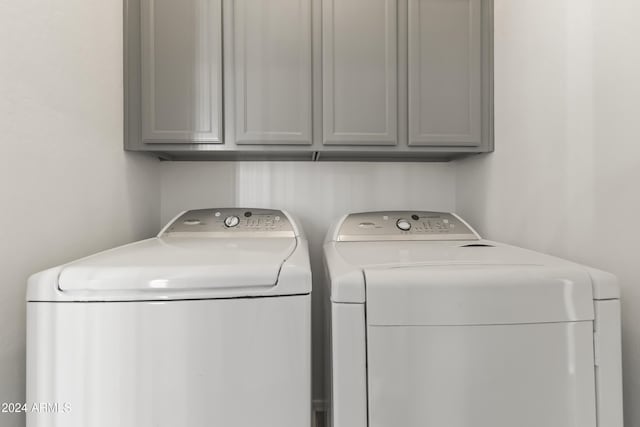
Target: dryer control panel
231,222
404,225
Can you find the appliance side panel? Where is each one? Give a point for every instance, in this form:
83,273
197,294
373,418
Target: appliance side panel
528,375
40,359
608,362
349,376
232,363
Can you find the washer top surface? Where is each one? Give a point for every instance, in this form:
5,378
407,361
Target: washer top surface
381,254
208,253
450,278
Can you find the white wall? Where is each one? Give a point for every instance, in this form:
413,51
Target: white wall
316,193
565,172
66,187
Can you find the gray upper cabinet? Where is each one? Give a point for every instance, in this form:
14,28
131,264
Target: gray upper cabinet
309,79
268,77
181,59
359,72
445,72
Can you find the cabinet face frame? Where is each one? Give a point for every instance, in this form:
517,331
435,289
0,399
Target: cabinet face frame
238,86
206,82
331,65
471,134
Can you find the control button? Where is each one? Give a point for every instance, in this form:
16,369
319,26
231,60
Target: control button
191,222
247,214
366,225
277,218
403,224
231,221
415,217
217,214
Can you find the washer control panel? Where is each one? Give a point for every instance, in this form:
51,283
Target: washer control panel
227,222
404,225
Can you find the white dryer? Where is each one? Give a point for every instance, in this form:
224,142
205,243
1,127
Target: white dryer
431,326
208,324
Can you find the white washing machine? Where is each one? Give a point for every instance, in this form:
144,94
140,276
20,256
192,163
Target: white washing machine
208,324
432,326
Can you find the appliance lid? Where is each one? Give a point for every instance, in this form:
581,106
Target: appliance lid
411,253
347,261
448,295
466,252
178,264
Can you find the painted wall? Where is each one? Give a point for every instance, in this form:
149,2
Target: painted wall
316,193
565,172
67,189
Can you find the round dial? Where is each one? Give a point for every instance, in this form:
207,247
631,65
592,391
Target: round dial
231,221
403,224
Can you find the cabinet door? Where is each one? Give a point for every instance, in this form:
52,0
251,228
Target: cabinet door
445,72
181,71
359,72
271,71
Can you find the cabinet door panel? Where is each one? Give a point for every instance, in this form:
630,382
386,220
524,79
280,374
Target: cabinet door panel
272,71
445,72
359,72
181,71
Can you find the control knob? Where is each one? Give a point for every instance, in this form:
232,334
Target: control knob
231,221
403,224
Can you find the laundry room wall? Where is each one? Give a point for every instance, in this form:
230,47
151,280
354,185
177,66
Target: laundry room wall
67,189
564,176
316,193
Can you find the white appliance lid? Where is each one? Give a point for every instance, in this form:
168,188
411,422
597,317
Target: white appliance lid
432,268
477,295
349,263
461,283
180,263
415,253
